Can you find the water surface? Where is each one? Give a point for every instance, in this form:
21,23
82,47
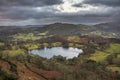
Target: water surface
55,51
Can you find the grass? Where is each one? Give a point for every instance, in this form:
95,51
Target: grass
103,34
12,53
71,44
118,56
31,46
29,36
45,44
2,44
56,44
114,48
75,45
74,39
113,68
100,56
79,46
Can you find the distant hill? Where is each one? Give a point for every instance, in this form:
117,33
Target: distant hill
66,29
109,30
110,27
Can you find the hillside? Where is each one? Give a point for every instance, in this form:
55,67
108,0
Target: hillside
66,29
109,27
100,58
107,30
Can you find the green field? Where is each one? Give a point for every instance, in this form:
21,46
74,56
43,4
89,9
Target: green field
27,36
113,68
101,56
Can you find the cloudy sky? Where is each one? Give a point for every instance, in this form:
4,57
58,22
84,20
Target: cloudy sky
40,12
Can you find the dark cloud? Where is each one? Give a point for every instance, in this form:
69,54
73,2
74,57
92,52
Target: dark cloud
49,16
29,2
78,5
112,3
39,12
27,13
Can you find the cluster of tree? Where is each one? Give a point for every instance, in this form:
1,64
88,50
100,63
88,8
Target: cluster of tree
71,69
83,69
113,59
5,76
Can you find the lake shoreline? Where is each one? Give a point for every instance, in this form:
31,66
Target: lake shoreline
69,52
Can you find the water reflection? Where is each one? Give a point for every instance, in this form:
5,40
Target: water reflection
55,51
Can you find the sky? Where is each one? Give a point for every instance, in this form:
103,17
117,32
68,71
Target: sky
41,12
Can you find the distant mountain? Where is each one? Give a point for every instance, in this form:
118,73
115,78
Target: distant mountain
109,30
65,29
110,27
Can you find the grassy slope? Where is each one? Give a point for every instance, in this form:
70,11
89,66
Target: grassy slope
100,56
113,68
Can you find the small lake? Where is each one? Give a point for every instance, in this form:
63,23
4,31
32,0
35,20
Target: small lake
55,51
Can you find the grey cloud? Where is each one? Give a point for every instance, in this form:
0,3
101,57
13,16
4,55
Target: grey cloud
49,16
78,5
23,11
27,12
29,2
112,3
